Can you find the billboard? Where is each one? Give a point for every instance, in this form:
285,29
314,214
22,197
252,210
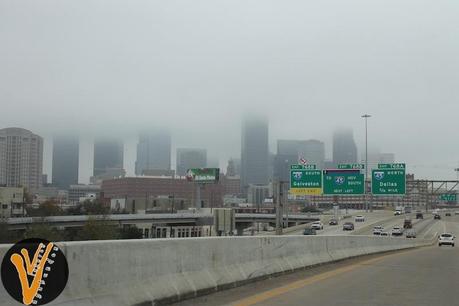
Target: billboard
203,175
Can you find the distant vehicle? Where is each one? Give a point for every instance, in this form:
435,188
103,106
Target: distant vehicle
384,234
377,230
437,216
397,231
456,212
446,239
407,223
333,222
419,215
398,210
348,226
411,234
309,231
359,218
317,225
408,209
448,214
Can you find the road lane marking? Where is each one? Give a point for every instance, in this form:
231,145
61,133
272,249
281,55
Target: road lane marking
261,297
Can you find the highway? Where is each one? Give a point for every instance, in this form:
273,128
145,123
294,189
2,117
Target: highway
425,276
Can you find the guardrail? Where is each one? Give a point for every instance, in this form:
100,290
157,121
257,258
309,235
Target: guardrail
147,271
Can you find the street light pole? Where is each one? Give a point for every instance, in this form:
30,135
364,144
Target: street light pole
366,116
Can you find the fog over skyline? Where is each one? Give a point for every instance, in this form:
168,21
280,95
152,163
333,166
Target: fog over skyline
118,67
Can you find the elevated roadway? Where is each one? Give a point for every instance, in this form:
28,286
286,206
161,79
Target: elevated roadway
418,277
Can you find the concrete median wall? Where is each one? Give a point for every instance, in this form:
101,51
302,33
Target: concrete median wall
130,272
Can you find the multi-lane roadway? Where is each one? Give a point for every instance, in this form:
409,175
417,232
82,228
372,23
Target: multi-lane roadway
425,276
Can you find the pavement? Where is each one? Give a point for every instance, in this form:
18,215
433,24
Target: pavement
370,219
418,277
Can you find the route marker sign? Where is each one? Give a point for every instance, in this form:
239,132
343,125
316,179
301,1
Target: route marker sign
351,166
305,181
307,166
448,197
343,182
388,179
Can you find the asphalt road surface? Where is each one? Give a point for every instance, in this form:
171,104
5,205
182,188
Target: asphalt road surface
425,276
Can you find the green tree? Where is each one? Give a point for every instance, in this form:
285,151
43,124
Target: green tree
98,230
47,208
131,232
44,231
7,236
95,208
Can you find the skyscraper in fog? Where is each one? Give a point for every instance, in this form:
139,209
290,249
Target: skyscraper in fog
344,147
289,152
108,156
254,152
153,151
190,158
312,150
65,161
21,158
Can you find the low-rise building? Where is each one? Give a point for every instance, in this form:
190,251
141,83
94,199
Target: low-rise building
11,202
76,192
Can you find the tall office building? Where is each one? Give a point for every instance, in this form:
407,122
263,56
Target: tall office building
21,158
153,151
234,167
108,156
344,148
65,161
254,152
312,150
190,158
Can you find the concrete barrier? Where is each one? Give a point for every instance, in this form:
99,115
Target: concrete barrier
143,272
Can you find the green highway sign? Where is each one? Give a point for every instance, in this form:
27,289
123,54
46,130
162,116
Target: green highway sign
203,175
388,180
343,182
307,166
392,166
351,166
305,182
448,197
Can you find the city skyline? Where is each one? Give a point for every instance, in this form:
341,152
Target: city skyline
86,149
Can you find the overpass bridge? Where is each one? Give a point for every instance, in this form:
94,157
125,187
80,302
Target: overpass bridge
242,219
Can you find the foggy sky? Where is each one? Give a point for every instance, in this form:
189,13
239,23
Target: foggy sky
115,67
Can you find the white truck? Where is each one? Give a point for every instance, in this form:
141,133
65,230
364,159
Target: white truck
398,210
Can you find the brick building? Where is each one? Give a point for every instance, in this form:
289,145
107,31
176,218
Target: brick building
147,187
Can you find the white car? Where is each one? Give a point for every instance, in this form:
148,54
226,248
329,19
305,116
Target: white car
446,239
456,212
377,230
397,231
317,225
359,218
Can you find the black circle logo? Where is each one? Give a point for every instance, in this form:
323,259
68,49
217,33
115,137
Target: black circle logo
34,271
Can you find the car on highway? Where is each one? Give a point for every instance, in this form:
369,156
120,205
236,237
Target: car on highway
437,217
456,212
377,230
309,231
410,234
317,225
448,214
407,223
384,233
446,239
333,222
359,218
397,231
348,226
419,215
